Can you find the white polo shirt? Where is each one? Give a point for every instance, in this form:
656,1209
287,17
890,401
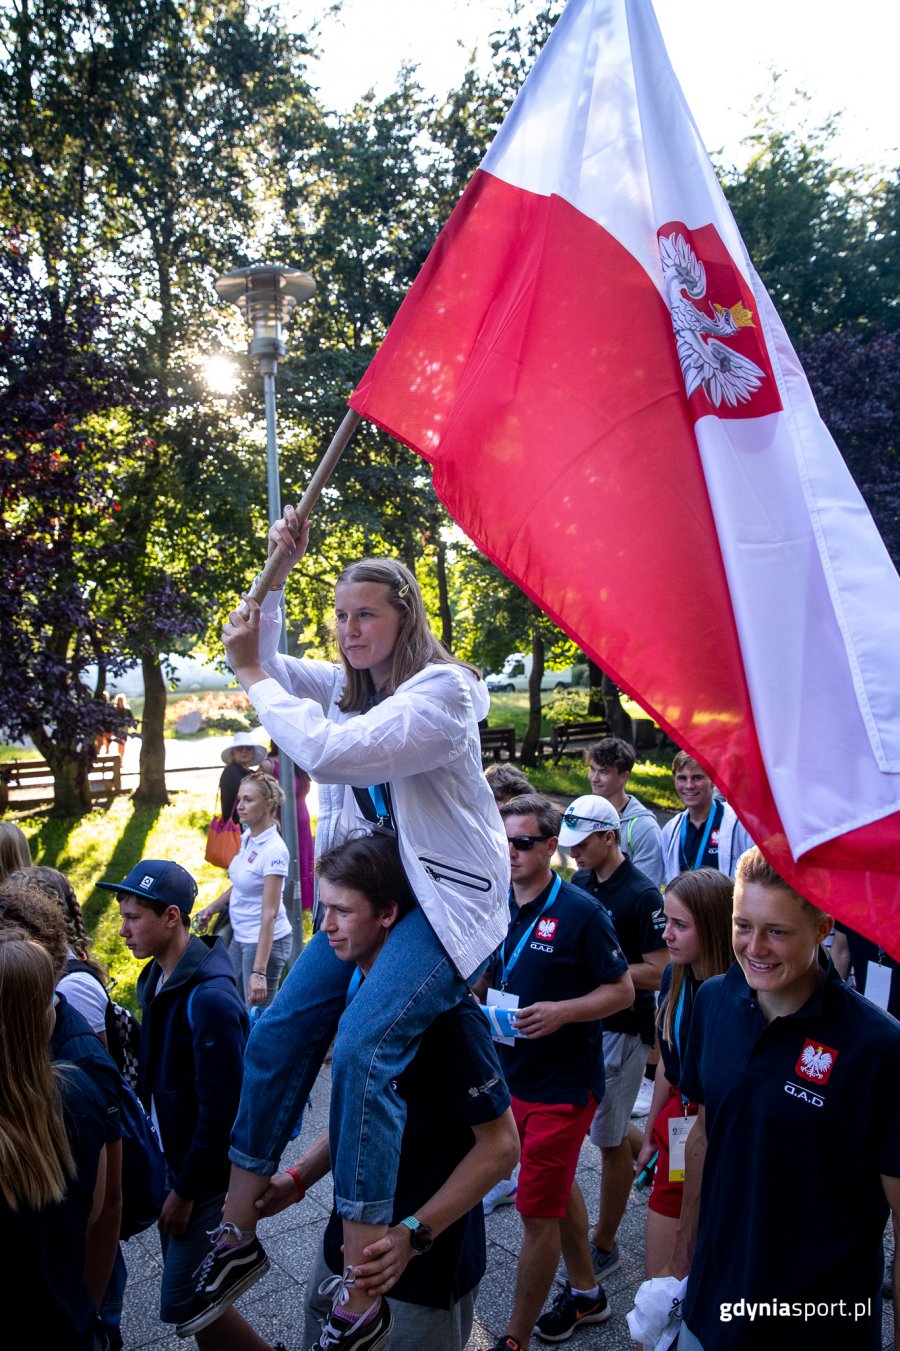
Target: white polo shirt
258,857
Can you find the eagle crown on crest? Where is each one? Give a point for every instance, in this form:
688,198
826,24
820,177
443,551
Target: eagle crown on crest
725,376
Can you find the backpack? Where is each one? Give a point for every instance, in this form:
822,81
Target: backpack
123,1031
144,1188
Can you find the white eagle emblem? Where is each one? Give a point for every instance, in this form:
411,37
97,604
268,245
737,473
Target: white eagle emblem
546,928
706,363
816,1062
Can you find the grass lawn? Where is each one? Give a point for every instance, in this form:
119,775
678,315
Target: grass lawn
651,779
107,843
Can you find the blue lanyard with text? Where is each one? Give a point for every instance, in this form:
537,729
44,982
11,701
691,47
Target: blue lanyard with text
507,966
698,861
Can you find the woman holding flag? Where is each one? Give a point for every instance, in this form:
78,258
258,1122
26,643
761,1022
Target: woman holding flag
391,736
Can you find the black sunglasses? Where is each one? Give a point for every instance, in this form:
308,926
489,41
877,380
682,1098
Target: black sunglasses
524,843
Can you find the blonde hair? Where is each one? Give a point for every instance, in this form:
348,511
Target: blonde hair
269,787
753,867
35,1157
14,850
416,646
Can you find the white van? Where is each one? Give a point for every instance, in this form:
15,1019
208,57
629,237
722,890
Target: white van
516,670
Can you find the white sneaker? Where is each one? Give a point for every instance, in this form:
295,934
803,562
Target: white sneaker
503,1194
644,1098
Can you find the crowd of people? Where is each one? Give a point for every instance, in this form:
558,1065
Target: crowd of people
485,1016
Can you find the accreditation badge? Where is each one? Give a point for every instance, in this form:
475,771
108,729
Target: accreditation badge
679,1129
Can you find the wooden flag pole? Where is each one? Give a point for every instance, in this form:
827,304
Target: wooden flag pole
322,474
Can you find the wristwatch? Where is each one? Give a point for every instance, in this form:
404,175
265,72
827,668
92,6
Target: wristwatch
420,1235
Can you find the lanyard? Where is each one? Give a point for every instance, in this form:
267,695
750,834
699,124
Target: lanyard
507,966
698,861
355,982
679,1010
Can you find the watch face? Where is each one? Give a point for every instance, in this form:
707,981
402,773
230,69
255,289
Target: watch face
421,1238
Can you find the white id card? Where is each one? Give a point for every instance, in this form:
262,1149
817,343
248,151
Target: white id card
878,984
501,1000
679,1130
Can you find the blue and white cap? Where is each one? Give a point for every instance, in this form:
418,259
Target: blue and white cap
159,880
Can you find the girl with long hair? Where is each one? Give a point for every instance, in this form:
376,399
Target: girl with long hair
84,983
390,734
52,1156
14,850
698,936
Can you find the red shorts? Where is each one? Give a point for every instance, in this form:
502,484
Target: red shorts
665,1196
551,1135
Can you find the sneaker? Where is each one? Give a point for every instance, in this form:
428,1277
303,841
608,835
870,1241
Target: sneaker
605,1263
223,1275
644,1098
569,1312
503,1194
506,1344
340,1335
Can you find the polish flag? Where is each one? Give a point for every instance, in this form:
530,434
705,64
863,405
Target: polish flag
615,416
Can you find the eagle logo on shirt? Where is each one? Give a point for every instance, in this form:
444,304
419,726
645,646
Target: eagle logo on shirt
816,1062
546,929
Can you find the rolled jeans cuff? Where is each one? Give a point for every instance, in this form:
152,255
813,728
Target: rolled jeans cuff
264,1167
365,1212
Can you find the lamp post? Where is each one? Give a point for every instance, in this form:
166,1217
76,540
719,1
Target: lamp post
266,295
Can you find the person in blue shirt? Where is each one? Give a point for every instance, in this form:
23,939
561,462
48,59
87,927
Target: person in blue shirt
794,1162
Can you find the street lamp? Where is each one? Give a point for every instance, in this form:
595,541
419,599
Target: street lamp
266,296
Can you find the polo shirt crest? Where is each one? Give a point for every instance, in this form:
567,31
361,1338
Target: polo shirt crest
816,1062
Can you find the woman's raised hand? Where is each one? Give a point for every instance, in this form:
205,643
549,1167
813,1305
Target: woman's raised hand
288,535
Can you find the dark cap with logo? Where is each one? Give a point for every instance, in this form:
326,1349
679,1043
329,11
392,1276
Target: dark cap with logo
159,880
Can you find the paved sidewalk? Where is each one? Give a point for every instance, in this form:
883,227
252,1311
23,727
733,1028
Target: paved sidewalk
275,1305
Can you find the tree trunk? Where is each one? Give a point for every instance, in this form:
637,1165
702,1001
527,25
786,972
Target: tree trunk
596,707
440,566
151,790
618,719
533,730
71,770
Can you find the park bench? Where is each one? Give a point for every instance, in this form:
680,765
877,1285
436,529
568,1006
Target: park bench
496,740
105,775
568,738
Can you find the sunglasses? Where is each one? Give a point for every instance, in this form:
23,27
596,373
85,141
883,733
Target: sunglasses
524,843
574,822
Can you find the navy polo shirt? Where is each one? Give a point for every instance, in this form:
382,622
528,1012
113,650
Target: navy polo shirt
452,1083
635,907
572,950
672,1052
802,1116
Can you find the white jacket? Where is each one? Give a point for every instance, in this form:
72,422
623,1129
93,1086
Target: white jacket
423,740
733,841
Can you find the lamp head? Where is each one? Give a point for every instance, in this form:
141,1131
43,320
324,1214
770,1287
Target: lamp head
266,296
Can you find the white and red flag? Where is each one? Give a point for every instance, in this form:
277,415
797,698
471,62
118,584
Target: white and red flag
615,416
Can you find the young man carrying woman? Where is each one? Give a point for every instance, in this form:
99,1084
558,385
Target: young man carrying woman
391,736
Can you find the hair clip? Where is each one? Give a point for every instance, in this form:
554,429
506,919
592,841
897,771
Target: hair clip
402,590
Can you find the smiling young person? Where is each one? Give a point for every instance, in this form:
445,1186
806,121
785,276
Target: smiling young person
390,733
458,1137
797,1081
707,834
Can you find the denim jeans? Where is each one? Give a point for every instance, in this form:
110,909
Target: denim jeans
243,960
412,981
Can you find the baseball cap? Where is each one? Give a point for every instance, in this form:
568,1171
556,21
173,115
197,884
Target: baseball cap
159,880
585,815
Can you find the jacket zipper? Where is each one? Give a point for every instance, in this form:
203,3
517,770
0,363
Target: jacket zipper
446,872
